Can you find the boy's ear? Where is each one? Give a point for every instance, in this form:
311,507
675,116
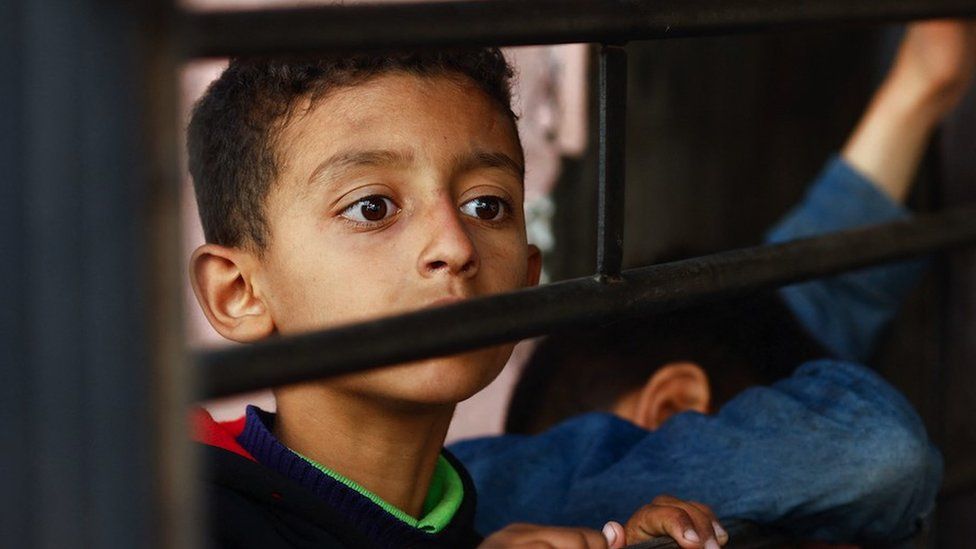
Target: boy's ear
221,279
535,266
674,388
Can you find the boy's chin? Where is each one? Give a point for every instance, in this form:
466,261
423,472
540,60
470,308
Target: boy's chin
439,381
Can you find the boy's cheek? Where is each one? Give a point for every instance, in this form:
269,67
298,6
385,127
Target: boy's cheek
301,299
335,297
504,270
362,280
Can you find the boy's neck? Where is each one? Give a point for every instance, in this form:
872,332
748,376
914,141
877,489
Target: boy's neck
390,452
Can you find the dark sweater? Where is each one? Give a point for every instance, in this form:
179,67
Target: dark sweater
253,504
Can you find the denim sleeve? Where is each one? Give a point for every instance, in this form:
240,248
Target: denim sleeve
832,453
846,312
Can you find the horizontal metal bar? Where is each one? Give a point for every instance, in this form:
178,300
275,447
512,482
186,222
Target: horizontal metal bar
521,22
585,301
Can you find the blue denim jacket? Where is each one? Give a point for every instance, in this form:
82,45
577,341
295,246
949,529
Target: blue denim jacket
832,453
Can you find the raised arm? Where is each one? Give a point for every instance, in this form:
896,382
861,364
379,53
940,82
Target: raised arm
932,71
868,182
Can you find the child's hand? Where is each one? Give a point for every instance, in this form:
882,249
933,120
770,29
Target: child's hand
937,59
533,536
690,524
934,67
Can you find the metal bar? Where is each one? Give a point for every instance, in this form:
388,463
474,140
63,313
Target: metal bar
612,153
585,301
176,502
16,391
75,351
517,22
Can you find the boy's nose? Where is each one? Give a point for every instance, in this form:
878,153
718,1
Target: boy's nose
449,248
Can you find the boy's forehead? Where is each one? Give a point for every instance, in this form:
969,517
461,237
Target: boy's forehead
401,116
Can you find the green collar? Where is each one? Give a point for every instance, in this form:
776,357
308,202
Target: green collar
443,498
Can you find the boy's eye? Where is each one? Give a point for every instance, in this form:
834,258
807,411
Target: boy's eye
370,209
487,208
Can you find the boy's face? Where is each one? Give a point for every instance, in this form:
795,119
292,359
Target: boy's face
395,195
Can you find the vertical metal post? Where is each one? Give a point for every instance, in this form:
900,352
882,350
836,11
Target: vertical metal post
178,520
610,196
77,460
15,391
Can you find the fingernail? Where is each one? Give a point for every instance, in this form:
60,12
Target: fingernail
610,533
719,531
711,544
692,535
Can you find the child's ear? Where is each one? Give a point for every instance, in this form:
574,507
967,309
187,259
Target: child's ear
674,388
221,279
535,266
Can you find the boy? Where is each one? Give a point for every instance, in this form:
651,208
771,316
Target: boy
831,453
338,189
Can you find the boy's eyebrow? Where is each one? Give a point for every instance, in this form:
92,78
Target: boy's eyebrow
343,160
489,159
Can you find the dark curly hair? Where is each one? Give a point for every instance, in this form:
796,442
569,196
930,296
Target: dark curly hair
233,128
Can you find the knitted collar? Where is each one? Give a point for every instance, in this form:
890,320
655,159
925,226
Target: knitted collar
444,496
